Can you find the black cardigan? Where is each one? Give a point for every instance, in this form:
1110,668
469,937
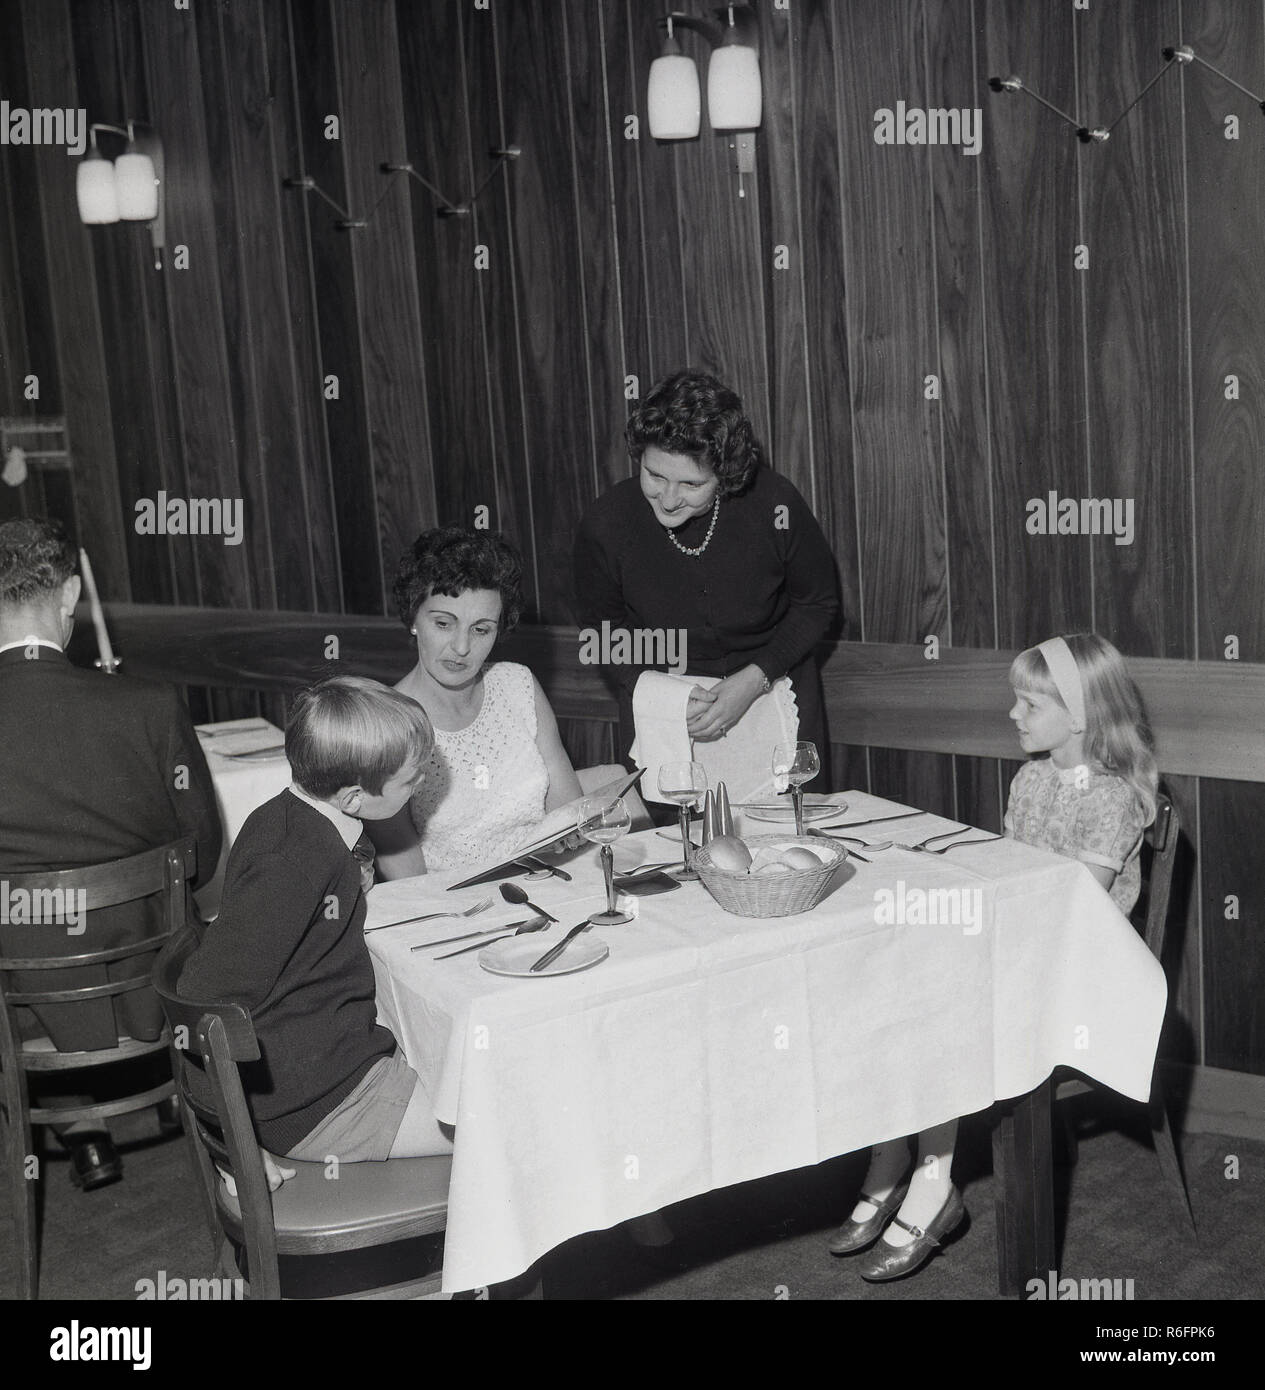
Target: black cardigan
289,944
764,591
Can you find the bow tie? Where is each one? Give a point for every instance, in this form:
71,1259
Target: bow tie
362,851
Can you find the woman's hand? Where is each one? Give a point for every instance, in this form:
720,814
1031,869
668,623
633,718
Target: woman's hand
728,702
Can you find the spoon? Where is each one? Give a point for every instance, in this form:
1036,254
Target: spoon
536,924
512,893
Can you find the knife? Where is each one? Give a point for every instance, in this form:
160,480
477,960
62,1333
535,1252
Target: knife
550,956
874,820
470,935
530,925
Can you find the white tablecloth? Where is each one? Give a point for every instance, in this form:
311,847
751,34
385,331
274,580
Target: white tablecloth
710,1050
241,784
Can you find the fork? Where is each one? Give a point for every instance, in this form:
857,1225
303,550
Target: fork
430,916
980,840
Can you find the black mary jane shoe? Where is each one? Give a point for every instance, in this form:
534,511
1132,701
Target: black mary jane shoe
853,1236
94,1162
891,1262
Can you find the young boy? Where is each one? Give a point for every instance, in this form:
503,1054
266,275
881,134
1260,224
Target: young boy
289,942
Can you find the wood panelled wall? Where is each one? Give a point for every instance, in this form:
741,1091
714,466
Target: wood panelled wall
828,288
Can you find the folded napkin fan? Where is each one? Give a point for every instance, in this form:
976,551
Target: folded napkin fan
742,758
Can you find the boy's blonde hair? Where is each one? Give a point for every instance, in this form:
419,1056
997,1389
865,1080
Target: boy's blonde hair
1117,732
347,731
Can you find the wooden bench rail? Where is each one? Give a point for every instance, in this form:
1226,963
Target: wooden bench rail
1207,716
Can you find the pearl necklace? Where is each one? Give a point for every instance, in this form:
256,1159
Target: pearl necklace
698,550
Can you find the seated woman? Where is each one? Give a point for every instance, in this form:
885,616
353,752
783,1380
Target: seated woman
498,765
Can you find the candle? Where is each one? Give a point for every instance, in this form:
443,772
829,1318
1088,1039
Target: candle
108,662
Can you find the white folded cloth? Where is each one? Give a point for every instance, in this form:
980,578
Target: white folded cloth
742,758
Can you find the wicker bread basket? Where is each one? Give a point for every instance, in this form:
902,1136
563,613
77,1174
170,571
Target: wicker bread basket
771,895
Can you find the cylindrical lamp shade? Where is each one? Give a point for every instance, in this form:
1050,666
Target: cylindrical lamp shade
94,190
136,187
673,99
734,94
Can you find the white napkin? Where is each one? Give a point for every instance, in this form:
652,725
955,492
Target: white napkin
742,758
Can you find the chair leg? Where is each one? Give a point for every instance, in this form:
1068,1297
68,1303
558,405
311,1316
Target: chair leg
22,1191
1162,1138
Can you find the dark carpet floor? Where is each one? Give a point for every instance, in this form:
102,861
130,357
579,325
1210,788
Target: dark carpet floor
764,1240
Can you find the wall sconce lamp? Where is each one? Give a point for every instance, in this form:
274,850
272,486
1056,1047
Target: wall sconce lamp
734,91
126,189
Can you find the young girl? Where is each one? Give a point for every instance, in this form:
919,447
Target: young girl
1088,793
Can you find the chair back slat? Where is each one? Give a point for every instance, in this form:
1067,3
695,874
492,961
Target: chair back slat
1164,836
119,881
80,992
103,957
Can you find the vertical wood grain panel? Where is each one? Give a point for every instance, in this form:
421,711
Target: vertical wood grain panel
954,82
821,71
887,241
310,484
502,407
204,383
723,263
382,256
790,441
1226,209
122,261
550,289
72,290
437,130
1136,331
318,95
662,204
1034,338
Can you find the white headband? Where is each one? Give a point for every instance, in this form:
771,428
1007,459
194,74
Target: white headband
1066,676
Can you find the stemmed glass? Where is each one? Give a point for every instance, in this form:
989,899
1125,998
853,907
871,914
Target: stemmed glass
685,784
602,822
795,764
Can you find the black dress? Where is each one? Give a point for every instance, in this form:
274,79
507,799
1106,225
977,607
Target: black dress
764,591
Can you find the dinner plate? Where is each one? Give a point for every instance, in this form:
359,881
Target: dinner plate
517,954
784,811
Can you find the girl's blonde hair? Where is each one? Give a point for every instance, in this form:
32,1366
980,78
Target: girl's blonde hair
1117,732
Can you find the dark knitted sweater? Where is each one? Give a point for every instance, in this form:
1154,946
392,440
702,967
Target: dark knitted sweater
289,944
764,591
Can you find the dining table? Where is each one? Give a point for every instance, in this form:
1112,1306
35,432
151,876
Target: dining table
697,1049
248,766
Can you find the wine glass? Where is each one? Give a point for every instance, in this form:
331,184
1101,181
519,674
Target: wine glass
602,822
683,783
794,764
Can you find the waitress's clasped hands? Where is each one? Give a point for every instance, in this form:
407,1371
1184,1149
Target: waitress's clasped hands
710,714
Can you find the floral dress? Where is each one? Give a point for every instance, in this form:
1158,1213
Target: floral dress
1083,813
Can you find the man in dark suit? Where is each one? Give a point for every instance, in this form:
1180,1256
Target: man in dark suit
92,768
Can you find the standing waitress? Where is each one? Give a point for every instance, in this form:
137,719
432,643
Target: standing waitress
709,540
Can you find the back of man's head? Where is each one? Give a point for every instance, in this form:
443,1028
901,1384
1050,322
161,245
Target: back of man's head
36,559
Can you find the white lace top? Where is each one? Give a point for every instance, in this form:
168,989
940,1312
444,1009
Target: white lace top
485,786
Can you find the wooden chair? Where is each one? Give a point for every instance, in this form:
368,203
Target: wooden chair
363,1206
1162,838
162,872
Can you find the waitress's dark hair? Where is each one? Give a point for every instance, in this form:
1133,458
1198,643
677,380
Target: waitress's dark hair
692,413
453,560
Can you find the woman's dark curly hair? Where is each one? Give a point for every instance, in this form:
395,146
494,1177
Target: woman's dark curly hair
453,560
693,413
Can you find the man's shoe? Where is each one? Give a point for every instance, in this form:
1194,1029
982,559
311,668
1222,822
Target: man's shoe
94,1162
886,1261
169,1123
